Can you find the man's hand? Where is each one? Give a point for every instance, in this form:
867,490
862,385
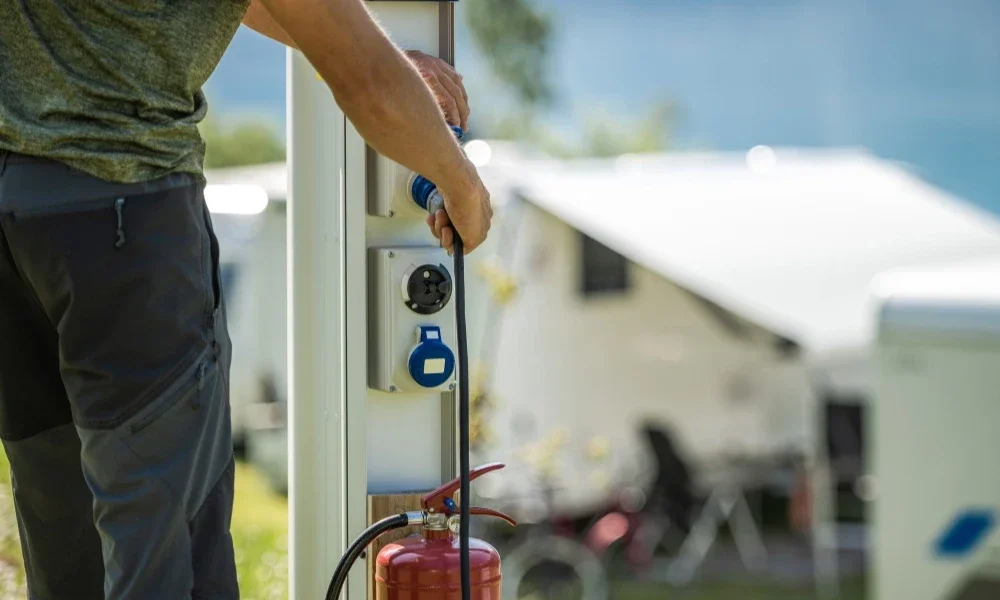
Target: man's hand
385,94
469,211
446,84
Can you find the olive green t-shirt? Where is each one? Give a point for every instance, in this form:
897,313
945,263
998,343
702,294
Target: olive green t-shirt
112,88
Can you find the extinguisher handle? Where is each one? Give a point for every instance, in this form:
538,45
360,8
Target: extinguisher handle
490,512
439,499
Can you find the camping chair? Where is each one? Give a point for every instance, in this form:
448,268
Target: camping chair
673,491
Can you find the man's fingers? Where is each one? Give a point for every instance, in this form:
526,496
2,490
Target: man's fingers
453,91
440,222
447,238
447,103
461,104
455,76
446,67
452,82
430,224
447,86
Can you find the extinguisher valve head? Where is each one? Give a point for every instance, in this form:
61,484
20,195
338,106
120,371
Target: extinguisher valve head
440,509
435,521
440,500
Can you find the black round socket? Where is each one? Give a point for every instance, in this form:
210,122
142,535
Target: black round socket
428,289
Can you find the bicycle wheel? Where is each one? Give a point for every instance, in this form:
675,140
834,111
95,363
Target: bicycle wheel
554,551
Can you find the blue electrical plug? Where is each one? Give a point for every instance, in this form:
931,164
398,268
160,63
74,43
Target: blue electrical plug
424,192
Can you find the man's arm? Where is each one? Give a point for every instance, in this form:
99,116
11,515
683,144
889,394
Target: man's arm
444,81
260,20
388,102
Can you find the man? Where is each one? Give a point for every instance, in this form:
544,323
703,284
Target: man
114,352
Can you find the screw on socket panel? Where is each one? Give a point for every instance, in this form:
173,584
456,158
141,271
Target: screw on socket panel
427,289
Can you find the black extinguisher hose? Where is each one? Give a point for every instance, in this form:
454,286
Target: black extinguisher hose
357,547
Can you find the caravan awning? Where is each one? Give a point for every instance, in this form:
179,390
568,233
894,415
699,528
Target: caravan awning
790,240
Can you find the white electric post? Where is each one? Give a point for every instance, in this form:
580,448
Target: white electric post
346,439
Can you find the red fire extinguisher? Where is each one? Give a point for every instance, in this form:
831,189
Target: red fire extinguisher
427,567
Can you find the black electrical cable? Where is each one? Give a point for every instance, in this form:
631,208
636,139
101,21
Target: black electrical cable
434,202
427,196
463,417
357,547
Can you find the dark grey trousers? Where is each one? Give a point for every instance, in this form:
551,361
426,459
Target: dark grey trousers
114,402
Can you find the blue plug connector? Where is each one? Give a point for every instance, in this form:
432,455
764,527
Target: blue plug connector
424,192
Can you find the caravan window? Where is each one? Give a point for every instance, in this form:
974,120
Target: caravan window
602,269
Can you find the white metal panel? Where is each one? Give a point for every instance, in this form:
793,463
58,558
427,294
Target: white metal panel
934,425
316,331
412,25
392,333
355,302
393,443
399,427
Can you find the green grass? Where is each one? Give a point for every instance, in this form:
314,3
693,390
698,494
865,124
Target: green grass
260,536
11,567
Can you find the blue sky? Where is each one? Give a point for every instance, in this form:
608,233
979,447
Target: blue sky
916,81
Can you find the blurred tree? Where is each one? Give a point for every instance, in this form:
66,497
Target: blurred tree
604,135
514,35
245,143
601,135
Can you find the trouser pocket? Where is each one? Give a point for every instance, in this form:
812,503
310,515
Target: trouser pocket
152,475
131,285
186,428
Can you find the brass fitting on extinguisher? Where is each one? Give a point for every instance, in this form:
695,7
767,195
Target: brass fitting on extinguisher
428,566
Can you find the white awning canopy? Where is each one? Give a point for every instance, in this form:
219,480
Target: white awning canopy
789,239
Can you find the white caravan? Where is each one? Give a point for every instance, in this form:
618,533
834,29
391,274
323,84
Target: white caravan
722,295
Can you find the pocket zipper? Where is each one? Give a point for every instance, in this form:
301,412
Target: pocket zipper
190,382
119,205
161,409
70,208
